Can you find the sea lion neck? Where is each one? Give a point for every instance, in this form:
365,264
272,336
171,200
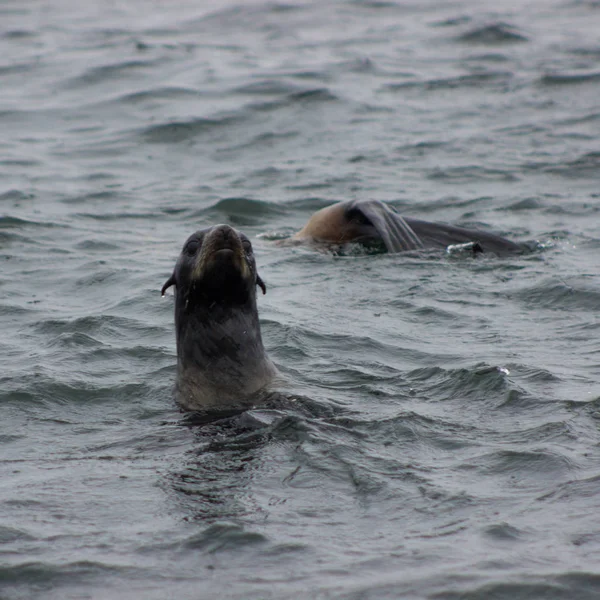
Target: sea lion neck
220,356
211,318
217,331
220,293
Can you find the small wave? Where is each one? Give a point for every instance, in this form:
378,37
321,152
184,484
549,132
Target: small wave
96,246
18,34
242,211
244,16
100,275
488,57
592,52
17,68
327,183
533,374
560,295
357,65
267,87
47,391
493,34
303,74
180,131
314,185
580,119
376,4
445,202
422,148
112,326
9,535
105,73
504,532
533,464
478,80
573,209
576,489
530,203
435,314
78,339
453,21
266,140
479,381
301,99
471,173
587,165
410,428
41,574
95,196
117,216
525,588
311,203
558,79
223,536
20,162
160,93
547,433
16,195
8,222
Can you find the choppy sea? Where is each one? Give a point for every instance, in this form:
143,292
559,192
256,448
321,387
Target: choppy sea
445,444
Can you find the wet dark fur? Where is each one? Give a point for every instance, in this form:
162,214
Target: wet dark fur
220,355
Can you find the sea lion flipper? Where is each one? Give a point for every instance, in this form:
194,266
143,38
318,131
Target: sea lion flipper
395,232
168,284
401,233
440,235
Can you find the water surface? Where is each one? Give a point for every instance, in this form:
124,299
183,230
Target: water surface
444,443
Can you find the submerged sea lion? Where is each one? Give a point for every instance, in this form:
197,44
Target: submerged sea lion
372,220
221,360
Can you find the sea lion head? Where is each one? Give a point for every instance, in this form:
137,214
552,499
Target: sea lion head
220,356
216,265
361,221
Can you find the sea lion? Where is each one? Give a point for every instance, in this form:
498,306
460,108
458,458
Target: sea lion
221,360
373,220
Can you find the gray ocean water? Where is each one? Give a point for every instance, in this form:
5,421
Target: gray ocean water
445,443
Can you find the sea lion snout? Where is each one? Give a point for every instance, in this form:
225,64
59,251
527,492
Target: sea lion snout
216,263
224,234
223,247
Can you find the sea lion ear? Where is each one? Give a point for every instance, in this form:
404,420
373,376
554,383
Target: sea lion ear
168,284
261,284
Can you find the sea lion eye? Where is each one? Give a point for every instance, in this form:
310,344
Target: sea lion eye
247,246
192,247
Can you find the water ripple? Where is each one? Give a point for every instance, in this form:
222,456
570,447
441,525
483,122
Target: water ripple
436,417
182,131
570,78
491,79
493,34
